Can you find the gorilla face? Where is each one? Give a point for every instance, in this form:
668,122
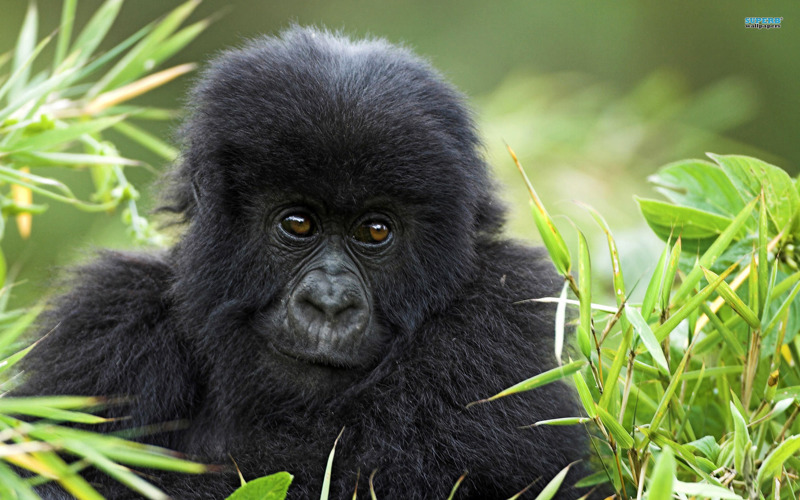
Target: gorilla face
308,192
325,315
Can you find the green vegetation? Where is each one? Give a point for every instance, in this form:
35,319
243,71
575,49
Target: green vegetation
696,390
55,116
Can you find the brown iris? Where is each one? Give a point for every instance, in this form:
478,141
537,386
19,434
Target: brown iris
298,225
372,232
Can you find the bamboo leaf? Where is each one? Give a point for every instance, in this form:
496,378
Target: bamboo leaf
621,436
648,339
663,479
585,289
775,461
733,300
539,380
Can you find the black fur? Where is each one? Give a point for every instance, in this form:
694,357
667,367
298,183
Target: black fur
347,124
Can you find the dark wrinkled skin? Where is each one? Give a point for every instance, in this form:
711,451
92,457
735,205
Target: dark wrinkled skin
265,345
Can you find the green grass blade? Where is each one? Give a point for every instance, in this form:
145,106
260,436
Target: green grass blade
64,31
655,285
452,494
96,29
549,491
326,482
585,395
733,300
585,289
25,49
19,74
648,339
539,380
621,436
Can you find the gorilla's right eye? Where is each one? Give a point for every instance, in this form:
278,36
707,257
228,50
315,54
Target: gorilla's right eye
299,225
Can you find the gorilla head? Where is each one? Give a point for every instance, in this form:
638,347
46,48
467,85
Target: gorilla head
341,265
334,194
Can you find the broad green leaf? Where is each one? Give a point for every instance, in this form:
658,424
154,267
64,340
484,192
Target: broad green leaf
698,184
663,476
751,175
714,251
648,339
705,490
707,445
771,467
621,436
552,487
741,441
585,395
539,380
272,487
585,288
696,227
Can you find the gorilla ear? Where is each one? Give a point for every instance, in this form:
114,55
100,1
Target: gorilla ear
182,194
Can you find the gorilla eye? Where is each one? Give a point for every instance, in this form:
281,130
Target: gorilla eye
372,232
299,225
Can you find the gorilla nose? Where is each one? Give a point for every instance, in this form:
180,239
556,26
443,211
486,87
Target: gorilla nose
328,312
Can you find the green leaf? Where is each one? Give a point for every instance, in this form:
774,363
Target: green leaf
585,395
552,487
25,51
139,59
585,289
648,339
741,441
707,445
733,300
782,310
696,227
772,465
272,487
539,380
59,136
655,285
453,491
751,175
64,31
714,251
561,310
326,481
670,273
705,490
621,436
96,29
663,479
698,184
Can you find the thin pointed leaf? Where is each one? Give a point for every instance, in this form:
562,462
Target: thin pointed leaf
24,50
560,319
326,482
648,339
549,491
96,29
621,436
714,251
585,395
733,300
741,440
19,73
585,289
64,31
539,380
655,285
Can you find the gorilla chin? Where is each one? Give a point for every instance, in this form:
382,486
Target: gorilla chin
341,264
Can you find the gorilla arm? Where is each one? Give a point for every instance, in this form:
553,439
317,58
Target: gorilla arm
110,336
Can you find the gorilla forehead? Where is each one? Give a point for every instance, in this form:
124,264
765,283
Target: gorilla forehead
309,110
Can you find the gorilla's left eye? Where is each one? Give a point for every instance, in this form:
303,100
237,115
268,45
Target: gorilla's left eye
372,232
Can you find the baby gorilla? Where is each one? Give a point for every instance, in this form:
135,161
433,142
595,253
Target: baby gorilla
342,266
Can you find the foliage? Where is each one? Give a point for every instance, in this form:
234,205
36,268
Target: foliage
695,391
56,116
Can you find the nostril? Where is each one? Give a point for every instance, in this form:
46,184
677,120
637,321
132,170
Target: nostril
331,307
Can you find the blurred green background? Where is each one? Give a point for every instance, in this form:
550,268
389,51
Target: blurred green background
593,97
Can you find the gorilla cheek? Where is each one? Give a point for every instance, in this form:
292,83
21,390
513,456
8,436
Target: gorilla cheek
328,316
